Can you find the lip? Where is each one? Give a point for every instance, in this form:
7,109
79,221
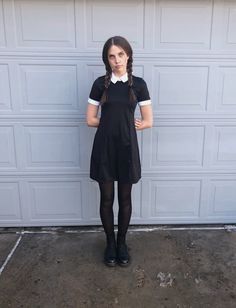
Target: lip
118,66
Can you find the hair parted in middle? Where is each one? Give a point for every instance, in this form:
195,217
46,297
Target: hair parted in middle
124,44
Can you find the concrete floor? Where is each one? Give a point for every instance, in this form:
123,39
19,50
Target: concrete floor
170,268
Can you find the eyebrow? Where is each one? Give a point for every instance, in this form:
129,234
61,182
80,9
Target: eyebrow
111,54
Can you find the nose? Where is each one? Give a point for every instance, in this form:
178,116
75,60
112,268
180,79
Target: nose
117,60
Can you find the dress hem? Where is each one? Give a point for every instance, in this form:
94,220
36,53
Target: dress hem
116,180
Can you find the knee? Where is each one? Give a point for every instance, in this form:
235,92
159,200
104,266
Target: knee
124,201
107,200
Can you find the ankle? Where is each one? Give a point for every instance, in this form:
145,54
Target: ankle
111,239
121,239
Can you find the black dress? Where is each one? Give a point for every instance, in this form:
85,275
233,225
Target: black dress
115,153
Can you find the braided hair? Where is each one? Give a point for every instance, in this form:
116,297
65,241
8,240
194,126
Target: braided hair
124,44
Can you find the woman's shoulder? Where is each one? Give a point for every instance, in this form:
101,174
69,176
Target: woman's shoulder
138,81
99,83
99,80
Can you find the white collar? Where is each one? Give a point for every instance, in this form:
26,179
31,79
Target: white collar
115,78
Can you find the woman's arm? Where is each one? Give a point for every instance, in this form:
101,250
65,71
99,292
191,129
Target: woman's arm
147,118
91,116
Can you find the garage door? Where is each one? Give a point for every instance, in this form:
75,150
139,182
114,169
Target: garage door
50,53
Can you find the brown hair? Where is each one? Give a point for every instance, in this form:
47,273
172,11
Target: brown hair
124,44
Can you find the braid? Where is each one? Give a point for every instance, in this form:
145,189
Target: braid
107,82
129,72
132,96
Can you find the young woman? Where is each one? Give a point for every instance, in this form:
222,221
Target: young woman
115,152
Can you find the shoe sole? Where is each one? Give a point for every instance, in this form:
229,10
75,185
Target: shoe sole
110,264
123,264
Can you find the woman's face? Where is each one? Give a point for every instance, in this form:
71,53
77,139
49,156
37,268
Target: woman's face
117,59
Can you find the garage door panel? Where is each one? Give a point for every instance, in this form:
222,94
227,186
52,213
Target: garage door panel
224,34
137,193
5,94
132,25
222,198
45,23
180,88
175,146
57,200
7,146
224,146
226,98
86,136
177,24
94,71
232,25
10,205
52,146
93,200
49,87
2,27
175,198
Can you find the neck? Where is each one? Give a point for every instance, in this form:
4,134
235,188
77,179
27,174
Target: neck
119,74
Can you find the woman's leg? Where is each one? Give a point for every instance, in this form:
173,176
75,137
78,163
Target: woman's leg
106,210
125,210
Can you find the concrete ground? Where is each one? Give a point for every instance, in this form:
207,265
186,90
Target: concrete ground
63,267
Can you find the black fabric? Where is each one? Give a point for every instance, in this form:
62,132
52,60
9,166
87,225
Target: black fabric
139,86
106,210
141,90
97,89
125,210
115,153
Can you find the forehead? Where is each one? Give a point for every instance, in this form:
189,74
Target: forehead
114,49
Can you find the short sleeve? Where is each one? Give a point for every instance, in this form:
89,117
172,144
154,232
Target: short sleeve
96,92
143,94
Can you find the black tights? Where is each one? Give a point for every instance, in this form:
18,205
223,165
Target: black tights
106,210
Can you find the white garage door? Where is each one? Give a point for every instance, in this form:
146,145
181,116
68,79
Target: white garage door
50,54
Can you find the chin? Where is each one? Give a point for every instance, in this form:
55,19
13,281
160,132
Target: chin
120,70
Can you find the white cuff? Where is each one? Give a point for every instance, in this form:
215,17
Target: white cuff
93,102
144,103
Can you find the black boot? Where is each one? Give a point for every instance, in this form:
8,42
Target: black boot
110,254
123,257
110,251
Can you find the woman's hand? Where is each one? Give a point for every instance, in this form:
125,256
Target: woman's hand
138,124
146,120
91,116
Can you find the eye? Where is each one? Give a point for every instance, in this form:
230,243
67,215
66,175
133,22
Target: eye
121,54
